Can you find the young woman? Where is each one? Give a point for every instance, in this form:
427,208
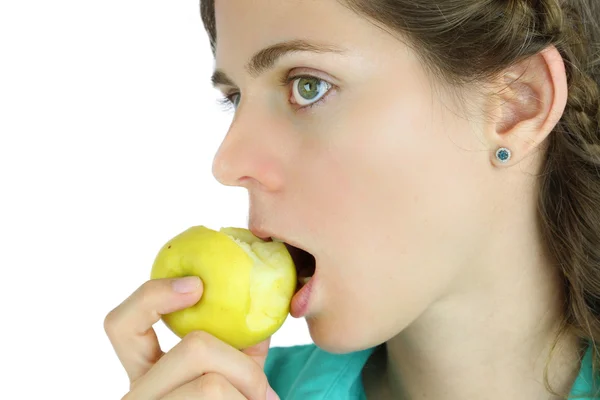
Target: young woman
441,162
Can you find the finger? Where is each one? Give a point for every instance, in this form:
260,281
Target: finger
209,386
199,353
259,352
129,325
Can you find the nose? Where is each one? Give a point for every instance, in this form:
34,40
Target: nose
248,156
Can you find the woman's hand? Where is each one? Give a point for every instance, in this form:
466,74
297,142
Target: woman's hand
200,366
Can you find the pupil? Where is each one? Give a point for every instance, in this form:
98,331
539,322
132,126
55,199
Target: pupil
309,88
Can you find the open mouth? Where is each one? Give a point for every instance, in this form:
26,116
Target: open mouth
305,264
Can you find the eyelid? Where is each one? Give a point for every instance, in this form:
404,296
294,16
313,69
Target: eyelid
285,81
304,73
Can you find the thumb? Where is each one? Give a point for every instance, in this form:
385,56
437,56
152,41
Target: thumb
259,352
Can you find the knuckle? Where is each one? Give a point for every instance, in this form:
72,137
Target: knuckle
146,290
114,319
196,343
212,386
111,322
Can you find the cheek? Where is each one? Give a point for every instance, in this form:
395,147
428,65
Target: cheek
406,160
390,184
381,159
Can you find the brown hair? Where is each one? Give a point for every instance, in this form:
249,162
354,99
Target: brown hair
468,41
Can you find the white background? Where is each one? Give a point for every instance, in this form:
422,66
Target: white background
108,128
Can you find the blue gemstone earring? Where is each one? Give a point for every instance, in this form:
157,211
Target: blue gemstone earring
503,154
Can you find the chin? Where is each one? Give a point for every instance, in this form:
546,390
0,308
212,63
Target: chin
335,338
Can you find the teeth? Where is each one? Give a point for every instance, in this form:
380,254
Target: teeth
304,280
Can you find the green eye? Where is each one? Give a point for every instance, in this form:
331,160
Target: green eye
308,90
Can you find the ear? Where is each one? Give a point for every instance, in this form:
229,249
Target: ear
530,104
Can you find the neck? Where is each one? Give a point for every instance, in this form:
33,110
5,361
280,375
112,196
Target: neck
490,335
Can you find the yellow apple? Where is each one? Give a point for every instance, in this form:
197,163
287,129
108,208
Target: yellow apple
248,283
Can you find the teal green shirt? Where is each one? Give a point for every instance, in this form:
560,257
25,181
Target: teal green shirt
306,372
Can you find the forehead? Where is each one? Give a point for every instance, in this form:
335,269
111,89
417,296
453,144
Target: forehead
246,26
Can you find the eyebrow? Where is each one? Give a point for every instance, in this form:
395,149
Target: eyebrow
266,58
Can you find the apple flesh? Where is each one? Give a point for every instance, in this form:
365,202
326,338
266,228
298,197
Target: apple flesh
248,283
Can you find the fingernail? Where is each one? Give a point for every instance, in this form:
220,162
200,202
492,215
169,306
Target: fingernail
186,285
271,395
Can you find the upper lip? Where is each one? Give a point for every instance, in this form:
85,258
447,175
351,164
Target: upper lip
265,235
261,234
299,254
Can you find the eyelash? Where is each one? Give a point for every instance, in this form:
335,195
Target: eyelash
227,102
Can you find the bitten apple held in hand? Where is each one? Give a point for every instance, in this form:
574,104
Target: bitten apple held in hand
248,283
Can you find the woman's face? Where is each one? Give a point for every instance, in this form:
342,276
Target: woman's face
366,165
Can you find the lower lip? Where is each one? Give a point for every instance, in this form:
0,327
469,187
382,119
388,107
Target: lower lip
299,306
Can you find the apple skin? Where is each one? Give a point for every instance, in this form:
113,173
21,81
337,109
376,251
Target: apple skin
248,283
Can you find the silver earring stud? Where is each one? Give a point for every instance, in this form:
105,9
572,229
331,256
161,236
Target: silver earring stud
503,154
